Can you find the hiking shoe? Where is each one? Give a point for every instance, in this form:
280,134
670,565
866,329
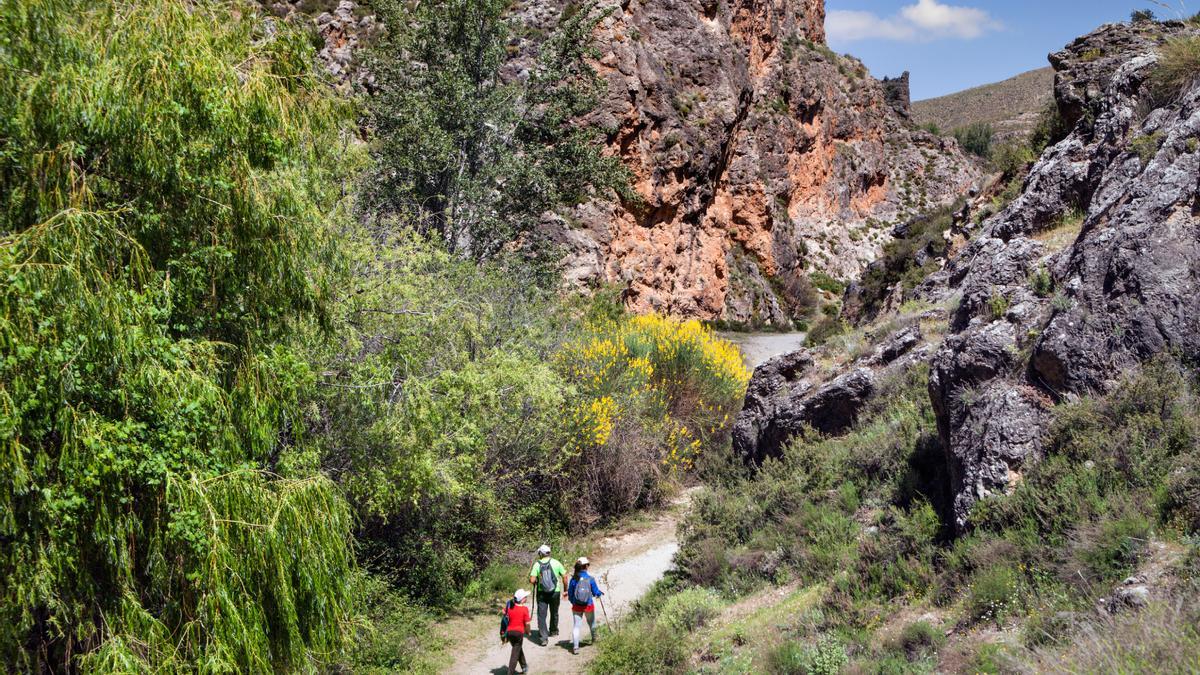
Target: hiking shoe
575,651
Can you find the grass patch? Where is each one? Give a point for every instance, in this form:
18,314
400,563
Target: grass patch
1177,69
1063,233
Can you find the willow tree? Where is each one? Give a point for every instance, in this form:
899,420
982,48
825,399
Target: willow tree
162,194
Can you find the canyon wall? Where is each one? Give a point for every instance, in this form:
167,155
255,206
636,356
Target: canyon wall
761,157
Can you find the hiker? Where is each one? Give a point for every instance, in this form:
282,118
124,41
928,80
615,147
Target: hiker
516,627
549,577
582,590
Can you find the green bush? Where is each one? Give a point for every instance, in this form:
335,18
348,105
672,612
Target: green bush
919,640
991,595
899,261
689,609
827,657
1041,282
1141,15
1051,128
1111,549
1145,147
641,648
169,167
976,138
827,283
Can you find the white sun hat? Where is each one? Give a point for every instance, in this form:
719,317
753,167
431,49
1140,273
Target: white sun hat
584,561
520,595
544,549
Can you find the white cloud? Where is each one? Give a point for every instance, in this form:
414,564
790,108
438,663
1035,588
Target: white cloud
924,21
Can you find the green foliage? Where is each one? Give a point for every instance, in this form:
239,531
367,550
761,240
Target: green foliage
991,595
393,635
827,283
689,610
919,640
465,155
1011,159
1050,129
1145,147
922,236
826,328
827,657
997,305
1141,15
976,138
1041,282
641,648
163,179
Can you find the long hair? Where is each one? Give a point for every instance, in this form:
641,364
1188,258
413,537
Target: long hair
578,570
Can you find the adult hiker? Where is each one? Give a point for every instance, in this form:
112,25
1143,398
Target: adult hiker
516,626
549,577
582,590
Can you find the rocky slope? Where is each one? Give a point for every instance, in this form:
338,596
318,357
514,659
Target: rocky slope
1092,270
1011,106
761,157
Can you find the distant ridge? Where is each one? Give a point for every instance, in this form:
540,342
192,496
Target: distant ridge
1011,106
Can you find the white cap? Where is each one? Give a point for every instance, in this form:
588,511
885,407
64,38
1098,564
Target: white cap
584,561
544,549
520,595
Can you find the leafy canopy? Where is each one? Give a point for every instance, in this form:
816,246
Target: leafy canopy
467,148
161,207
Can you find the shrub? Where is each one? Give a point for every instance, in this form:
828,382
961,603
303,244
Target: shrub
1041,282
1011,159
1162,638
1178,67
1180,499
690,609
976,138
1051,128
827,657
1145,147
997,305
1110,549
991,595
163,204
919,640
824,329
1141,15
705,563
827,283
641,648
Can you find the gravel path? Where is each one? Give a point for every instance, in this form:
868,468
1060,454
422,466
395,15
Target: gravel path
626,565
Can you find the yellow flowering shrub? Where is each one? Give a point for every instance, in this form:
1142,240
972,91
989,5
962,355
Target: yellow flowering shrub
674,378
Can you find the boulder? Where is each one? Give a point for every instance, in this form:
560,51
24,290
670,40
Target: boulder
780,404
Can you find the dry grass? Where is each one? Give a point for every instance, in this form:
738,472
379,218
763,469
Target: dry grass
1178,67
1163,638
1063,234
1010,106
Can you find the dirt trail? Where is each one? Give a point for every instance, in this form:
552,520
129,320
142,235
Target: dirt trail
758,348
626,565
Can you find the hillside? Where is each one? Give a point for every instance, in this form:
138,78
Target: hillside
1011,106
1000,472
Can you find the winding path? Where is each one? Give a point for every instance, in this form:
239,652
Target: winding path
626,564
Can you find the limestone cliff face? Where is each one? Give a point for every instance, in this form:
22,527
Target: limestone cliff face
760,155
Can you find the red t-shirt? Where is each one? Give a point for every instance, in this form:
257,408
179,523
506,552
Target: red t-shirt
518,616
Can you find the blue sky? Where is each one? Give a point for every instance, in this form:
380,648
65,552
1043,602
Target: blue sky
950,45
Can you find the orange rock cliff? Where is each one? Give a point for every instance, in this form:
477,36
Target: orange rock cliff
761,157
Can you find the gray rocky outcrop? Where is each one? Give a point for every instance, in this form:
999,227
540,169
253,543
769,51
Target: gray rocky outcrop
1125,288
1093,269
782,402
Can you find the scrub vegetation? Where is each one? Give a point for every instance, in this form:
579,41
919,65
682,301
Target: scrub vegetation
251,419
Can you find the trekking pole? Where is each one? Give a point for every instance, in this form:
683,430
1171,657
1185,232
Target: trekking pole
603,609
